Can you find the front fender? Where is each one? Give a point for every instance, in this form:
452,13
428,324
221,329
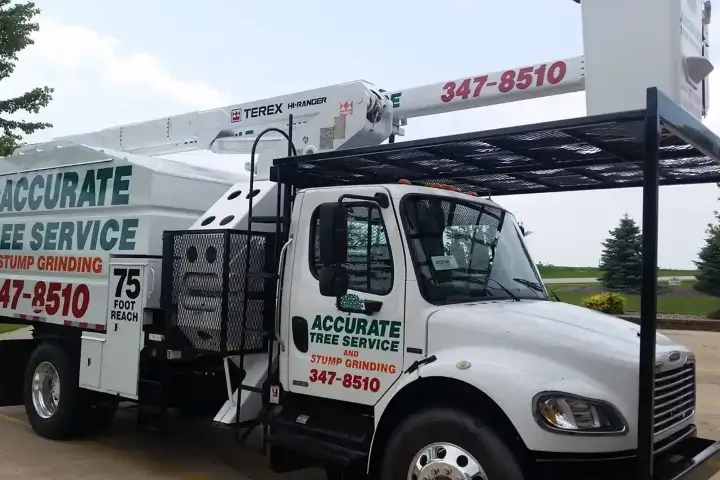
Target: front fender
512,378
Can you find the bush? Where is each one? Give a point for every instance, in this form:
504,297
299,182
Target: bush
608,302
714,315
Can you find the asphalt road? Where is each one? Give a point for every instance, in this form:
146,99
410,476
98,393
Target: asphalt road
198,451
594,280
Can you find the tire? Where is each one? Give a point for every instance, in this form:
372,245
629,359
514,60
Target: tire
452,429
63,422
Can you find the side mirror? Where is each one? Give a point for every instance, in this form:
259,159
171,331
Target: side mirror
333,250
333,234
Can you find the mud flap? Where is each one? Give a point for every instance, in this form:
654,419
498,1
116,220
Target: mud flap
14,355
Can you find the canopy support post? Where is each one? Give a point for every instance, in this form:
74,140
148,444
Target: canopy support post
648,302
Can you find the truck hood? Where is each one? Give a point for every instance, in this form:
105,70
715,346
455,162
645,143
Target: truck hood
551,324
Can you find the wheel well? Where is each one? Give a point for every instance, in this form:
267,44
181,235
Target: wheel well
443,392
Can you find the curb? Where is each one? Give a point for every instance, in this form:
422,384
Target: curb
680,324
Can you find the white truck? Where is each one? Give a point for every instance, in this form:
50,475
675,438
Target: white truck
363,302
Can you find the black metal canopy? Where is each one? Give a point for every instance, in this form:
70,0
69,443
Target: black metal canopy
589,153
659,145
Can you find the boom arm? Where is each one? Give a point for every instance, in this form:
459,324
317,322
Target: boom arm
532,81
340,116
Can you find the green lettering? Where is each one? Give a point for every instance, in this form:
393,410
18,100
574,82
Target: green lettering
21,187
68,197
339,321
361,327
35,199
374,329
66,235
317,323
51,199
37,236
107,242
383,327
88,195
6,236
395,99
6,202
328,323
394,346
395,329
51,229
103,175
121,184
18,234
127,234
83,232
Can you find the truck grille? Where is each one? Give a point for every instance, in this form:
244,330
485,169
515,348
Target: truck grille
674,397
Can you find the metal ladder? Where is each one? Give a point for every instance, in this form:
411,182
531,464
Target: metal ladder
282,223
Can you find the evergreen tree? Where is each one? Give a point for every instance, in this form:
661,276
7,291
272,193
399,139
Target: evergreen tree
708,264
621,259
16,27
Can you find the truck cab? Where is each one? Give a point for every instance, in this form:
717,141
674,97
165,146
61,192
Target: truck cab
412,299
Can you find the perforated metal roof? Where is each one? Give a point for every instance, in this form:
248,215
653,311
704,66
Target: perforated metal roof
586,153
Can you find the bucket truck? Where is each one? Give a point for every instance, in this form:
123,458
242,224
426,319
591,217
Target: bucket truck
364,303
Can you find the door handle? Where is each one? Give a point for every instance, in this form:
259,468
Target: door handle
372,306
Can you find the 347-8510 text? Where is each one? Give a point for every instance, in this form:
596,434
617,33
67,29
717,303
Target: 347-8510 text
53,298
357,382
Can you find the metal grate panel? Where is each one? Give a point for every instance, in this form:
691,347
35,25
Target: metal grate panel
205,287
674,397
606,151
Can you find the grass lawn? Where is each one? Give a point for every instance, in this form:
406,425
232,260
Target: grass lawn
592,272
681,299
9,328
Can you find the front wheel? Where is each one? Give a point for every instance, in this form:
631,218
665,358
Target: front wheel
438,444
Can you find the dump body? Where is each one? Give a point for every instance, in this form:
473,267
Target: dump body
66,211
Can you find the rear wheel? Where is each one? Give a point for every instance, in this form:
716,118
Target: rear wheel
440,444
51,391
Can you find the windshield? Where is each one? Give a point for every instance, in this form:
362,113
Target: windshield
465,251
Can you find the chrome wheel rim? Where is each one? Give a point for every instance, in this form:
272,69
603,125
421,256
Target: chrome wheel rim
46,390
445,461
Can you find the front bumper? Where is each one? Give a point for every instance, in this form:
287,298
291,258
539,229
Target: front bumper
684,456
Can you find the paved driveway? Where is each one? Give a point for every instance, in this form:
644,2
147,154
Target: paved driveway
200,452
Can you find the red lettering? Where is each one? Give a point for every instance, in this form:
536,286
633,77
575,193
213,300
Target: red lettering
508,81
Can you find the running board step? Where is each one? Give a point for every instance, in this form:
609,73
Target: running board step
323,431
322,450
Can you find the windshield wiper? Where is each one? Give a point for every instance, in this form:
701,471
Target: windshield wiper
505,289
530,284
535,286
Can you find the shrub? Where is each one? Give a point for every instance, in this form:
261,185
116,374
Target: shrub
608,302
714,315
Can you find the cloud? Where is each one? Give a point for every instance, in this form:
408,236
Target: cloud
98,85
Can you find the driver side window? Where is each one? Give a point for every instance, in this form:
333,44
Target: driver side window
370,264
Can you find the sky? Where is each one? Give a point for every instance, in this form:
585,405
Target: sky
119,62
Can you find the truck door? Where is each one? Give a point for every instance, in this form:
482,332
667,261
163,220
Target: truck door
331,352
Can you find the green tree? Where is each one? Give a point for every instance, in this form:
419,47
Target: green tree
17,24
708,263
621,259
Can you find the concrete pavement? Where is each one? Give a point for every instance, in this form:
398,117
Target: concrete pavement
198,451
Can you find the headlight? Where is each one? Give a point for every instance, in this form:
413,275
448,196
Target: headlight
566,413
